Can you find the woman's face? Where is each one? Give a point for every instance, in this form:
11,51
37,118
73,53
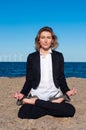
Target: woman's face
45,40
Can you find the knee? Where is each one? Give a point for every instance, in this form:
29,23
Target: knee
20,115
72,111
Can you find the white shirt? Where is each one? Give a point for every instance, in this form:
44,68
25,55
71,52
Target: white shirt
46,88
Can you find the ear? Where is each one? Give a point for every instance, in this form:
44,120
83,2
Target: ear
39,41
52,42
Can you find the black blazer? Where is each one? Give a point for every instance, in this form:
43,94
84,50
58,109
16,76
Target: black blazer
33,72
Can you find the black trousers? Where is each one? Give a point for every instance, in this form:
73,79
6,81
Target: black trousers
42,108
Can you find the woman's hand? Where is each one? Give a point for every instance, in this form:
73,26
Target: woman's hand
71,92
18,95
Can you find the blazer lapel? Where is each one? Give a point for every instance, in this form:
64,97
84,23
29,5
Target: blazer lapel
55,63
37,65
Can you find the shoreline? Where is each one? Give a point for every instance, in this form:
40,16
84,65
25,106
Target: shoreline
25,76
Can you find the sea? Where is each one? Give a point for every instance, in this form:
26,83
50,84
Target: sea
18,69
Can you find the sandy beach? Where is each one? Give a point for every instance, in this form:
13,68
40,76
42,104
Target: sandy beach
9,109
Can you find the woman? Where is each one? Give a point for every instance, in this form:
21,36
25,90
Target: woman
45,81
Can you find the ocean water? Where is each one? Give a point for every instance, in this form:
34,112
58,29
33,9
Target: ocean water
18,69
75,69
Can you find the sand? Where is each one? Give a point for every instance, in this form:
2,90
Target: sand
9,109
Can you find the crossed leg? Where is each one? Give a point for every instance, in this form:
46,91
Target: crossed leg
42,108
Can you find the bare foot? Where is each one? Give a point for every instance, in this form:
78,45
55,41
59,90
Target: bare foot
29,100
59,100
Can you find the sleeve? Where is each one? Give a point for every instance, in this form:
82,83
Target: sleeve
29,77
62,79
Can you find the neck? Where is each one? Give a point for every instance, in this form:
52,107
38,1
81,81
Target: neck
44,51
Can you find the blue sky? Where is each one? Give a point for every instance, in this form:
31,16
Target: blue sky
20,21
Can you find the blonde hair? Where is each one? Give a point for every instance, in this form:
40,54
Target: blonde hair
54,37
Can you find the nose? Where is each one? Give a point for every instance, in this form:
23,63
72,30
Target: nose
45,39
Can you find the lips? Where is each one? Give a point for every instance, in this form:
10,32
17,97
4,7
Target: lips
45,44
